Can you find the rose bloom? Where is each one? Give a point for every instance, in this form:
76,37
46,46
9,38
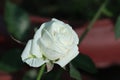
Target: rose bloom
54,42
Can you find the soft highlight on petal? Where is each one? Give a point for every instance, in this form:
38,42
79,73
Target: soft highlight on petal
35,46
67,58
35,49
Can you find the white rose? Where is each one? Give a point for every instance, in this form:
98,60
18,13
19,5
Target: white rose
54,42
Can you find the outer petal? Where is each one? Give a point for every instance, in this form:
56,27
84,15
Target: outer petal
35,47
26,51
49,53
67,58
47,44
34,62
30,59
56,20
76,39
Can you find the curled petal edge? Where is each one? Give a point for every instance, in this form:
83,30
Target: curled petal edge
30,59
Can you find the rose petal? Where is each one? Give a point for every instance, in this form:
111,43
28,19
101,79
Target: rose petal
26,51
35,47
47,38
35,50
35,62
49,53
47,44
39,31
76,39
67,58
30,59
58,21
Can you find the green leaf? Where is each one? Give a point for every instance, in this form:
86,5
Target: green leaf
17,20
85,63
106,12
74,73
11,61
117,28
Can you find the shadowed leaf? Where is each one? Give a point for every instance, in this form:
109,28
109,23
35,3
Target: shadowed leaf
117,28
85,63
74,73
17,20
11,61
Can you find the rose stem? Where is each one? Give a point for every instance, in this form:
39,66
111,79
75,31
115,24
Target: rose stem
97,15
41,72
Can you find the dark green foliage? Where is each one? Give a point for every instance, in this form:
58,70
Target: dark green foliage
117,28
85,63
74,73
11,61
17,21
